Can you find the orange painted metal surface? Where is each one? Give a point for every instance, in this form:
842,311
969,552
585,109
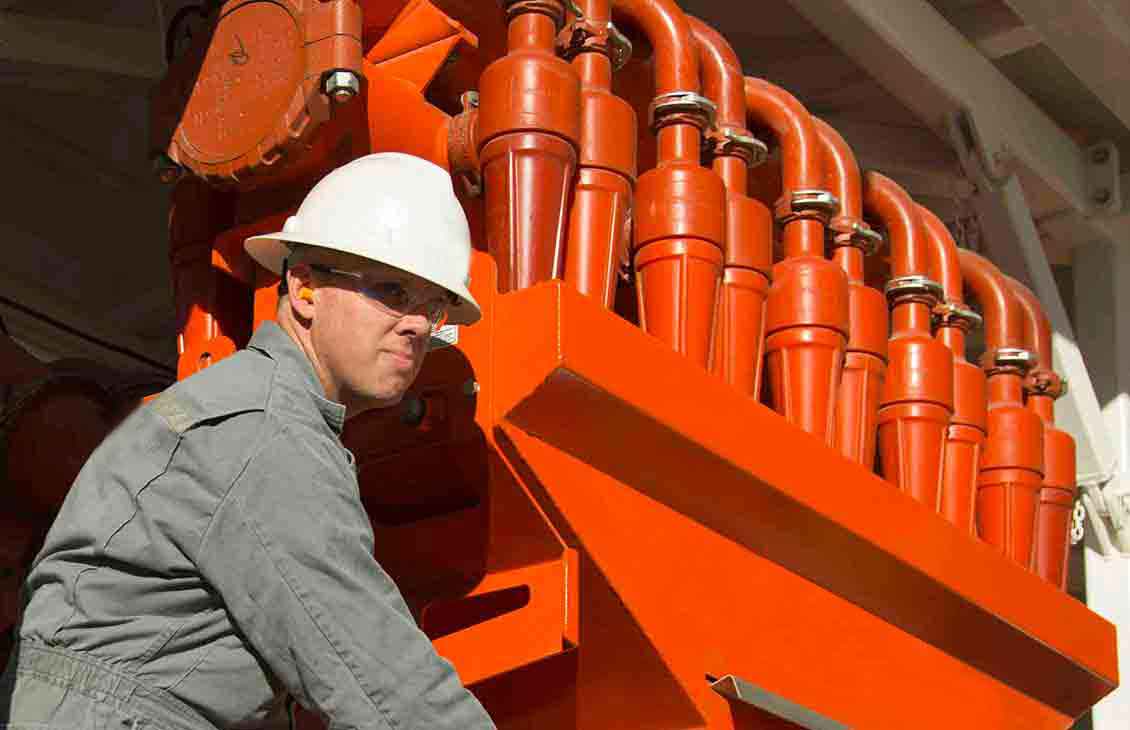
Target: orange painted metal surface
1057,495
587,524
528,130
1012,464
965,436
865,362
680,219
917,399
599,223
807,310
748,247
876,585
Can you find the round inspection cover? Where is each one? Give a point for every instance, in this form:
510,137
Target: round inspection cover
253,68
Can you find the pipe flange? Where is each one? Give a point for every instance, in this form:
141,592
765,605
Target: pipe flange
1008,360
853,232
583,35
915,287
955,314
736,142
1041,381
553,8
811,204
681,107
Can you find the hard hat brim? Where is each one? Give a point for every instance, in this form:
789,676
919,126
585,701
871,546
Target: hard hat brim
271,249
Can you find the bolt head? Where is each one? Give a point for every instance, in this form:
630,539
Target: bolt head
341,86
1101,196
1100,155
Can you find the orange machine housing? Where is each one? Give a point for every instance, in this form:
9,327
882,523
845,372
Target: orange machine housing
590,523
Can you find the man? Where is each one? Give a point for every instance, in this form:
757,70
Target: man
213,555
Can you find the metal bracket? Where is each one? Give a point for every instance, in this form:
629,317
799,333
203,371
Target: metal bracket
736,689
1103,178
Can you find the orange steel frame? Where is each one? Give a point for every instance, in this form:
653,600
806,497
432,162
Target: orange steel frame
592,519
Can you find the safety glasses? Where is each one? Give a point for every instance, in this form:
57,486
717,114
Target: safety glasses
397,298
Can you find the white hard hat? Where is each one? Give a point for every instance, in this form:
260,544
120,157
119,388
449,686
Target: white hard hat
389,207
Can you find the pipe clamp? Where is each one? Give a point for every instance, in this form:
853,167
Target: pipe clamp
811,204
736,142
954,314
915,287
1008,360
848,231
681,107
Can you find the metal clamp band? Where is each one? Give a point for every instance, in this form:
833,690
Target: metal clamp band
1045,382
1008,359
952,314
812,204
738,143
684,107
586,36
852,232
913,288
555,9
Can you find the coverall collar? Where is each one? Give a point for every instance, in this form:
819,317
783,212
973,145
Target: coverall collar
278,345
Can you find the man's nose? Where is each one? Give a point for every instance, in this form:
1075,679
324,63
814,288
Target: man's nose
415,324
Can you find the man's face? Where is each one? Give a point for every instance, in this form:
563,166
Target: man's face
372,352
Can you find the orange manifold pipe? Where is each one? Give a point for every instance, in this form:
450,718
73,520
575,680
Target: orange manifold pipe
806,313
917,397
865,362
965,436
528,127
602,196
680,219
1057,494
1012,464
748,247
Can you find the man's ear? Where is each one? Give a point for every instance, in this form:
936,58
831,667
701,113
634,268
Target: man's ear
300,290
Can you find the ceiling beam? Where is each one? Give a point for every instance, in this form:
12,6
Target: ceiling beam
1092,38
68,43
932,68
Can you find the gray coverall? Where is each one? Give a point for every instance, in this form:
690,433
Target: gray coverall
212,556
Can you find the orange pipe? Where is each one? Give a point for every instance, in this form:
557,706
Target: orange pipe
865,362
748,247
602,196
917,400
528,130
680,219
806,314
1057,495
1012,464
965,436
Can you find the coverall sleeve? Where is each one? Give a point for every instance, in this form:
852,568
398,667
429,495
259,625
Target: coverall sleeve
290,551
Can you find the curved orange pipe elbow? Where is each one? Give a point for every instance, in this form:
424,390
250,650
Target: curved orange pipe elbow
892,205
667,28
943,256
841,170
1037,329
721,73
801,164
1004,318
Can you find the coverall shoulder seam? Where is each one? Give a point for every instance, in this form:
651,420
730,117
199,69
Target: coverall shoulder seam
266,436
